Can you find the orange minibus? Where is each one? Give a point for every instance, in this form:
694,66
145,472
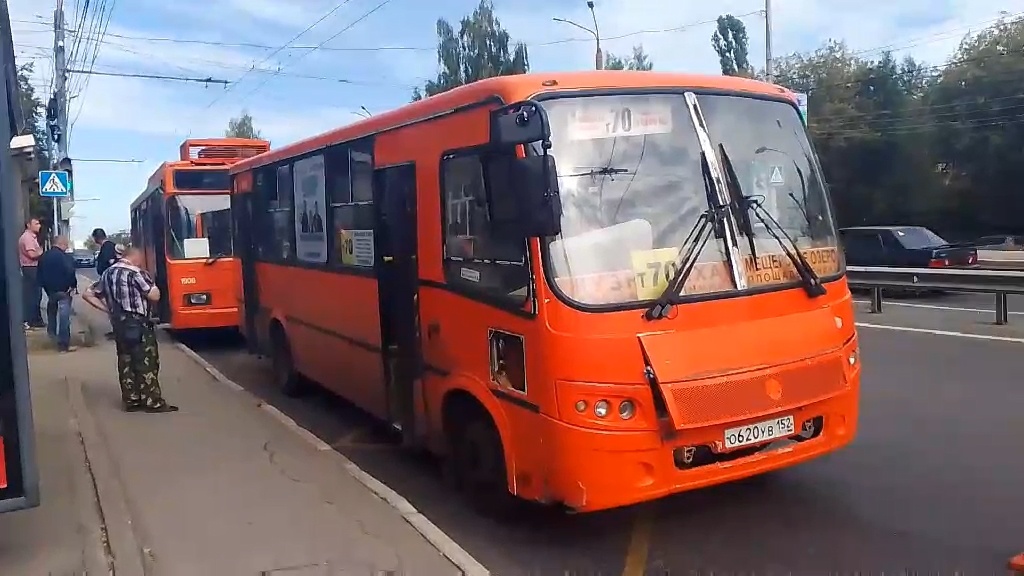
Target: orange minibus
183,224
586,289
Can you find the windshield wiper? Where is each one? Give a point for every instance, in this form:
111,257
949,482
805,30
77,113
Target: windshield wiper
811,282
737,205
692,247
602,171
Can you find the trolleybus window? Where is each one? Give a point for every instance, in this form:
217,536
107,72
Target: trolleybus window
198,226
193,179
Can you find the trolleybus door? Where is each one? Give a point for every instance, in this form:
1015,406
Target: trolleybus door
398,283
158,226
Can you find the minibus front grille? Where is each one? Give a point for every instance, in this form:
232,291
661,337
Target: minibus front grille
719,400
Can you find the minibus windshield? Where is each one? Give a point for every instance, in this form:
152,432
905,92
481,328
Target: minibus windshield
631,183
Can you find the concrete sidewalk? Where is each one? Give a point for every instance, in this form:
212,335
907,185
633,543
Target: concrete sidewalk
63,535
221,487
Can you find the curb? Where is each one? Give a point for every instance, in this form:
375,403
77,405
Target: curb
443,543
121,541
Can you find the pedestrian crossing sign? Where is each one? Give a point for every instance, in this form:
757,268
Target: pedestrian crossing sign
54,184
776,176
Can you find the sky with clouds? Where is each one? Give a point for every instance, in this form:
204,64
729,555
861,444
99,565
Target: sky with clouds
373,52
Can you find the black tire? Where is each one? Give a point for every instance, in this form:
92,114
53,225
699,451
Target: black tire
286,379
478,466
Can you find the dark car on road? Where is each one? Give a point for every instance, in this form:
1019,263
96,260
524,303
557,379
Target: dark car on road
904,247
84,259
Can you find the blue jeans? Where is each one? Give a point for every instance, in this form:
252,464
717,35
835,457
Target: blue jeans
58,319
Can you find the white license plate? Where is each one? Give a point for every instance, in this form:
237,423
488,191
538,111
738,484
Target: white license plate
759,432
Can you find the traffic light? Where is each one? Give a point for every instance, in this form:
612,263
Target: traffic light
65,165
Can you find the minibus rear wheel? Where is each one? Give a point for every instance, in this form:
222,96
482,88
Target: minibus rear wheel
286,379
479,466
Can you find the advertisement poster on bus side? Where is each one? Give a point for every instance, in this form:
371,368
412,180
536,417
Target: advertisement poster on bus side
310,189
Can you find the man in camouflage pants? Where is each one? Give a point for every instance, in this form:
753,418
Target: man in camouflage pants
125,292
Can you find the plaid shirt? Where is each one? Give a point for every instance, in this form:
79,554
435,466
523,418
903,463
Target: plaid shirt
126,285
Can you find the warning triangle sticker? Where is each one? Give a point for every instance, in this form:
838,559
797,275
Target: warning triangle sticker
54,185
776,175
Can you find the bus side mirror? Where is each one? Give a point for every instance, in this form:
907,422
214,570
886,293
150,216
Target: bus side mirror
520,123
523,200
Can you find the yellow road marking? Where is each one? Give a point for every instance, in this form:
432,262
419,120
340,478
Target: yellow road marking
639,543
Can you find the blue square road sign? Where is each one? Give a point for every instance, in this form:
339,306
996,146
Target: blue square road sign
54,184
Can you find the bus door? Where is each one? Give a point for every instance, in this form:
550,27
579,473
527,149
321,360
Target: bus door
248,301
157,226
398,293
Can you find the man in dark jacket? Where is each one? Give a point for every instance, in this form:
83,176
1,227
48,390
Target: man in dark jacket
105,258
57,278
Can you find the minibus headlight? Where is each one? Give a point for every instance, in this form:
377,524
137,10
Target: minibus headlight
601,408
626,409
581,406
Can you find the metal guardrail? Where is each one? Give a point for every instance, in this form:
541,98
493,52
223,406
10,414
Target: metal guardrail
999,283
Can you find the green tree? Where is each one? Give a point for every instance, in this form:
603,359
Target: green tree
32,108
639,60
242,127
731,43
902,142
979,139
481,49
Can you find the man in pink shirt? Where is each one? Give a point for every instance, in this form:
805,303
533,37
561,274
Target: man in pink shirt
29,252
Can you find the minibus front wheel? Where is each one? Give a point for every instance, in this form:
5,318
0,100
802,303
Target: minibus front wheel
477,462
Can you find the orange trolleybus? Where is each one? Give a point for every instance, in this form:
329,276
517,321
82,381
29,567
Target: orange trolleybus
182,221
586,289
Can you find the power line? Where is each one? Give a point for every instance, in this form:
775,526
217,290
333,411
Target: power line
208,80
320,47
364,16
282,47
92,62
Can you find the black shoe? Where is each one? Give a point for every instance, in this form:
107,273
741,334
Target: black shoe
134,407
162,409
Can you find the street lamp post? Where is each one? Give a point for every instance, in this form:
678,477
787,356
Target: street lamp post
596,33
768,71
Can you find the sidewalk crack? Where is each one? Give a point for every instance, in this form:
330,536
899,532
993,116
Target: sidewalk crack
272,458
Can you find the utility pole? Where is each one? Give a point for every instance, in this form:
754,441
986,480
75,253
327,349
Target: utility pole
768,40
596,33
59,104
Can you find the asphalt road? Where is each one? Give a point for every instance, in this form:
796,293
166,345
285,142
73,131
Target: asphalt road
927,485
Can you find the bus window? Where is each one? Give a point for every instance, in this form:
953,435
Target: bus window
198,226
192,179
350,193
273,211
474,258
